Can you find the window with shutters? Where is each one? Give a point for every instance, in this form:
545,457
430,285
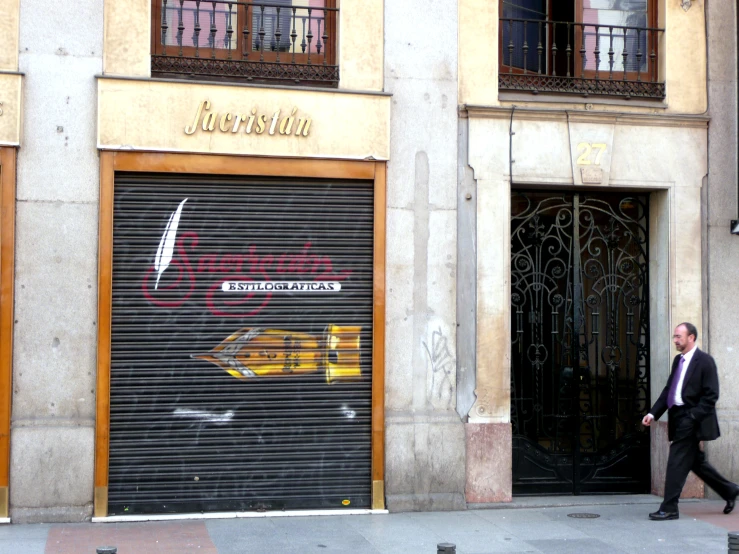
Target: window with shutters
277,41
587,47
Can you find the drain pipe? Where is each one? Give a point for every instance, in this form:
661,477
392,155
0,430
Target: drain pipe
734,222
511,161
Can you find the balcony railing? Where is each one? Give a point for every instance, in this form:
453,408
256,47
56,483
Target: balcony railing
579,58
246,41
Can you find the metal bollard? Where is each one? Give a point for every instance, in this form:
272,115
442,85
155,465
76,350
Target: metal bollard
733,542
107,550
446,548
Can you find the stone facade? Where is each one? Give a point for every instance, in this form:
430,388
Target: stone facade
720,247
53,411
424,98
425,436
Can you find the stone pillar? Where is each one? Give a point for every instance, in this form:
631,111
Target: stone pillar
488,433
52,427
721,249
425,441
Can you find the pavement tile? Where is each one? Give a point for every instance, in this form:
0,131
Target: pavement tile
395,533
23,546
526,516
449,522
287,535
254,530
422,532
23,539
576,546
471,544
382,526
701,529
179,537
30,531
541,530
711,511
630,527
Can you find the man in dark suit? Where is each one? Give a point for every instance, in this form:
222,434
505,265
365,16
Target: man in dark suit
689,398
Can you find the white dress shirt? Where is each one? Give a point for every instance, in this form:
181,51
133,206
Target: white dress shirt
686,362
678,394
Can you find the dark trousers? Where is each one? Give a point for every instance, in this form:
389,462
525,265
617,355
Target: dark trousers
686,456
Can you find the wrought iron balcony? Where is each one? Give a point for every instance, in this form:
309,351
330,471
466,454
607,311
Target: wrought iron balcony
540,56
263,42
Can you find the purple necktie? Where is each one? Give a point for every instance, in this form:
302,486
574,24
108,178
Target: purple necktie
673,386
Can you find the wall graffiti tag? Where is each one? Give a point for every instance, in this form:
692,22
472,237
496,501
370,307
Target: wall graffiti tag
231,272
443,367
256,352
166,245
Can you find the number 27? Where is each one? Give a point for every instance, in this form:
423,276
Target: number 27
586,148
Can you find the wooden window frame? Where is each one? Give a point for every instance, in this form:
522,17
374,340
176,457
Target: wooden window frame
205,52
653,43
112,162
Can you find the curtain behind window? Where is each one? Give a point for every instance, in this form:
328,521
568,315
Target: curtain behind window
533,11
224,15
625,13
185,13
298,20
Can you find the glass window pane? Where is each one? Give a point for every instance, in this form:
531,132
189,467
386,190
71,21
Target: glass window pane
525,9
622,13
305,18
181,17
529,33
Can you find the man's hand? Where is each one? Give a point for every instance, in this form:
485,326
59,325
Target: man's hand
647,421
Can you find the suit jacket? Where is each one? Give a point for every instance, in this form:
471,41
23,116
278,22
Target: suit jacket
699,393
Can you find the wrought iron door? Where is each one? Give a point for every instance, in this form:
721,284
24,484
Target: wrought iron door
580,343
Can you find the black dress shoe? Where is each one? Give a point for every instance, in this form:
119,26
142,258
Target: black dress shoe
663,516
731,501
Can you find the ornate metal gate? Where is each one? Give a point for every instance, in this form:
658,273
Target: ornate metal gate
580,343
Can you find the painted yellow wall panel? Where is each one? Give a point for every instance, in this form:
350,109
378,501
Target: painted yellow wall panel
685,48
478,52
11,109
127,38
9,18
127,41
163,116
361,45
682,60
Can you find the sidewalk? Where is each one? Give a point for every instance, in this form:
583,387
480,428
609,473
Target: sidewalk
527,525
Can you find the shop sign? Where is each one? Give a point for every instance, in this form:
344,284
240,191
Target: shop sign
193,272
282,123
253,277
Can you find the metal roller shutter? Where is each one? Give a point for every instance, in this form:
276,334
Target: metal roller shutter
241,344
